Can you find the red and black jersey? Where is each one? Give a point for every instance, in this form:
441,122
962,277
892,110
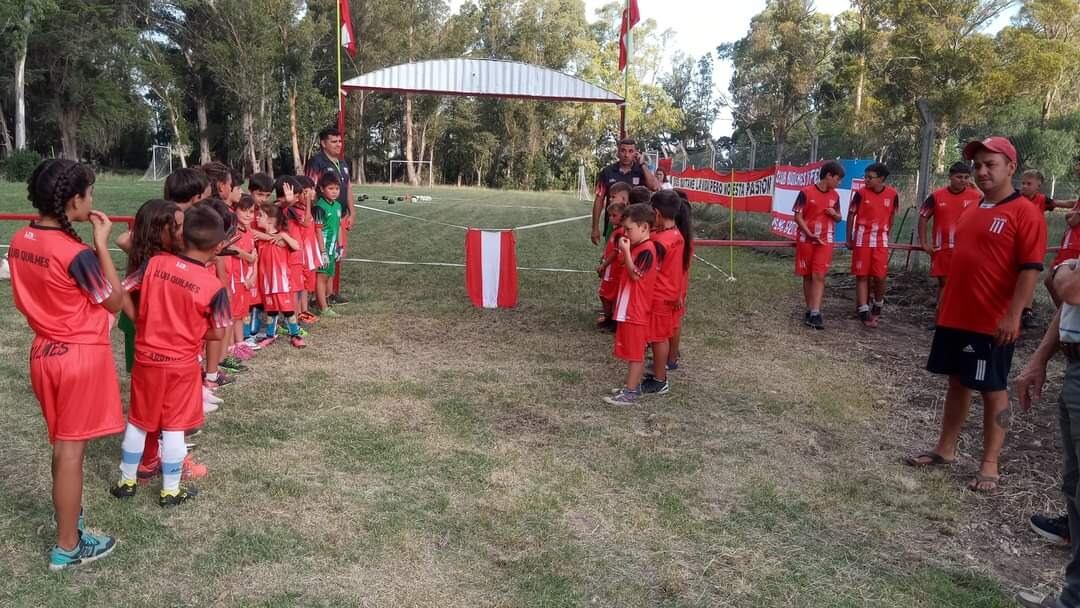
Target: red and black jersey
813,203
1042,202
946,207
874,212
58,285
993,244
614,270
634,302
670,274
180,299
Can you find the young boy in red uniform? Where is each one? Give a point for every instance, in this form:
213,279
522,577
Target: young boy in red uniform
870,218
1031,183
275,276
670,233
633,305
182,303
817,209
945,206
609,270
1000,245
68,293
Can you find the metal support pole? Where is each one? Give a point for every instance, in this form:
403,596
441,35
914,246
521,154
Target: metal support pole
753,150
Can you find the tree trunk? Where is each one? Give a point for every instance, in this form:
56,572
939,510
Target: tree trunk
9,147
20,85
174,122
298,161
410,170
248,128
939,155
204,141
69,134
431,167
361,174
423,149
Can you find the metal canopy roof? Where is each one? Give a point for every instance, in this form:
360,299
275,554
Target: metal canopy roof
483,78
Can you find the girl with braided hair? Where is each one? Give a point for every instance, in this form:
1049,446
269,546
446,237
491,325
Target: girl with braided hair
69,292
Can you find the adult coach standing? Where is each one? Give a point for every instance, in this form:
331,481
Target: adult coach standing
628,169
1000,244
329,160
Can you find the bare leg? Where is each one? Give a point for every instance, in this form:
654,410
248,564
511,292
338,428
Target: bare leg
996,418
808,291
67,472
957,404
215,351
878,284
660,352
862,291
818,291
673,345
321,287
633,374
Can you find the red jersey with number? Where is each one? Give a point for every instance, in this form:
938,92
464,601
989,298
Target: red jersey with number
274,268
1042,202
946,207
993,244
634,302
58,285
238,268
874,212
180,299
670,272
813,203
1071,239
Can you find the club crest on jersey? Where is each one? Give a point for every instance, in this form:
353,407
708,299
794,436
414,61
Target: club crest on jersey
181,265
998,225
637,180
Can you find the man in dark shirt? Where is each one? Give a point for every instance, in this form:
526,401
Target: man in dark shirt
329,160
628,169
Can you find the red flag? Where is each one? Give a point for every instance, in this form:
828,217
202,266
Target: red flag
348,40
630,17
491,268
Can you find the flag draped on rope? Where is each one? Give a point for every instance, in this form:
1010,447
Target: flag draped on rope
491,268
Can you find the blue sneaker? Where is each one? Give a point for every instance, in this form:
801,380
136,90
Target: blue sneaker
625,396
91,547
672,365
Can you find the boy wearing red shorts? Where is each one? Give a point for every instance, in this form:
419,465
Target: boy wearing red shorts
182,303
633,304
817,209
870,218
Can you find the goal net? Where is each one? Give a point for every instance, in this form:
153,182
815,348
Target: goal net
583,191
160,164
399,172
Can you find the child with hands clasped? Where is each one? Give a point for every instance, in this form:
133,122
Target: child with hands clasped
68,293
633,304
275,276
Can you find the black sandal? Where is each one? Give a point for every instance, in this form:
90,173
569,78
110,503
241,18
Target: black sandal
936,460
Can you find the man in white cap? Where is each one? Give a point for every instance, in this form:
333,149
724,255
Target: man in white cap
1000,245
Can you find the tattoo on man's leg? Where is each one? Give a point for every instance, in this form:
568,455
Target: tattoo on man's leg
1004,418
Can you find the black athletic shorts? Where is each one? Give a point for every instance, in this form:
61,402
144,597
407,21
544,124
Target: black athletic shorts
973,358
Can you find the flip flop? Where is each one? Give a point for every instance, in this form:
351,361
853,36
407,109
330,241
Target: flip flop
936,460
973,485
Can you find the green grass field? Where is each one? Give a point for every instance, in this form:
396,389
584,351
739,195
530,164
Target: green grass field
421,452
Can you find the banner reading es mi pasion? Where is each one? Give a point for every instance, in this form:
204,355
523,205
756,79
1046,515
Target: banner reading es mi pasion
751,190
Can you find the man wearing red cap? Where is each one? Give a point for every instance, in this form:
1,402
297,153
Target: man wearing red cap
1000,244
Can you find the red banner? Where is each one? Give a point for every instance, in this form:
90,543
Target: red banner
751,190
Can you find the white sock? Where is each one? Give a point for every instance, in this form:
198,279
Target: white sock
864,308
131,450
173,451
212,376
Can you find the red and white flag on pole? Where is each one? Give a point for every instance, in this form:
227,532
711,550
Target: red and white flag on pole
630,17
348,40
491,268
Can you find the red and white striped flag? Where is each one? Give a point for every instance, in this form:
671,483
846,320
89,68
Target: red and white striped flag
491,268
630,17
348,40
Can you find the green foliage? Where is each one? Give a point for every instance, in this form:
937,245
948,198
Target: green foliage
19,166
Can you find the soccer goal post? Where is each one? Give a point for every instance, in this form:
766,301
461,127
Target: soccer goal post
584,193
418,166
160,164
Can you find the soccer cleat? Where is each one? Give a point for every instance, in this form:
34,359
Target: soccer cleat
329,312
625,396
241,351
267,341
338,299
91,547
672,365
806,319
232,364
655,387
1053,529
209,407
875,310
867,319
209,396
816,321
221,380
297,342
252,343
125,488
177,498
307,317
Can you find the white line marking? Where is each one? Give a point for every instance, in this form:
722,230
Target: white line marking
424,219
714,267
455,265
552,222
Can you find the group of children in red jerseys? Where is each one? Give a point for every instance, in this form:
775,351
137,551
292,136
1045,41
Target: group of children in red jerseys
208,267
644,277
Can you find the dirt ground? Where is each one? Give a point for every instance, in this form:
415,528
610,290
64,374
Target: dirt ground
993,529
